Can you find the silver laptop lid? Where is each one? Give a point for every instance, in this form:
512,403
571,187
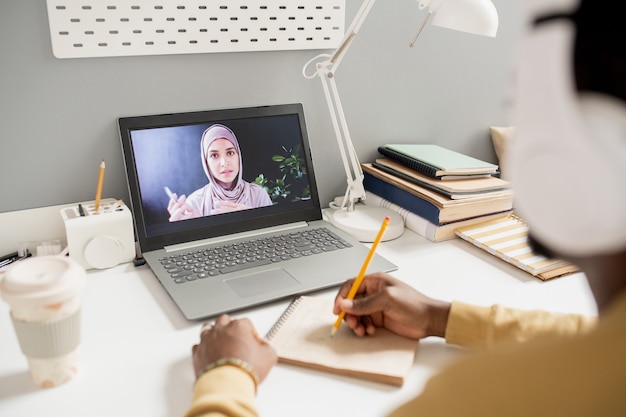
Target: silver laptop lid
165,151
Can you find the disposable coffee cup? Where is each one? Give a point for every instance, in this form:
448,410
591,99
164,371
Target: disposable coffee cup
44,294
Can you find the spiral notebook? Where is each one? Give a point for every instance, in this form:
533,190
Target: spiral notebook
436,161
301,336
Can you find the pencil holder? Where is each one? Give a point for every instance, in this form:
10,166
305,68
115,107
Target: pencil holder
99,239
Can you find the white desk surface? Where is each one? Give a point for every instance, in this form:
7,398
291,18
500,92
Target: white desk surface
135,351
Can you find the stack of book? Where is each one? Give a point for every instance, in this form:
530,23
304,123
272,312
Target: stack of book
436,190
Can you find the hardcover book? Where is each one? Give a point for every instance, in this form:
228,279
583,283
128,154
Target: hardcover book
424,228
454,189
430,205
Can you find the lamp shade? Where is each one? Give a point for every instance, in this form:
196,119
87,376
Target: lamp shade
478,17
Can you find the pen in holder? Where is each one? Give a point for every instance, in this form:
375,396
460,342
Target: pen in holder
99,239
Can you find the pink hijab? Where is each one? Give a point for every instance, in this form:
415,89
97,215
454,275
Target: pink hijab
243,192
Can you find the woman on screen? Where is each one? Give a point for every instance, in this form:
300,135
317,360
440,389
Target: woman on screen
226,191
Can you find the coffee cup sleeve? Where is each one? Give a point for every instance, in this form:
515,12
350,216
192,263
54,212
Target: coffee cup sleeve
49,339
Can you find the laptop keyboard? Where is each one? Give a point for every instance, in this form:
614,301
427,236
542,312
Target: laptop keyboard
204,263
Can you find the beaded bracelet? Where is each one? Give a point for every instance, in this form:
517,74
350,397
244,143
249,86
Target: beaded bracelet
241,364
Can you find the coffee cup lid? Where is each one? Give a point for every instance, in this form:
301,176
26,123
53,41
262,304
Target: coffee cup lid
42,280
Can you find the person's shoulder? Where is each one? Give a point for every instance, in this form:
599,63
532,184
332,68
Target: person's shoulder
199,192
260,191
545,370
198,197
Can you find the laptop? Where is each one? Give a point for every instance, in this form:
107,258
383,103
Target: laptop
189,250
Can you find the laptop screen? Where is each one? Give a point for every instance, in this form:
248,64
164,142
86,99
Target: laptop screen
256,159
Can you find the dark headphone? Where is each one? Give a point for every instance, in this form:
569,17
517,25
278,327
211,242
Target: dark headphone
599,46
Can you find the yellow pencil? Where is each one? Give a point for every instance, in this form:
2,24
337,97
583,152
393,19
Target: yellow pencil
99,189
359,279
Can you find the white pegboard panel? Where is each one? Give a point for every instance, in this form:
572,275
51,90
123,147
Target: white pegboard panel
98,28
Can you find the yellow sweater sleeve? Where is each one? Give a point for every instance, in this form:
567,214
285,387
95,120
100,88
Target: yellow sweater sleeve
564,376
223,391
486,327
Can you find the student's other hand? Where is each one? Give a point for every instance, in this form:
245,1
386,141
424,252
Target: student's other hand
227,206
180,210
237,339
383,301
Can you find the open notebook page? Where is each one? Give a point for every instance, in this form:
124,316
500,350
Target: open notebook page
301,336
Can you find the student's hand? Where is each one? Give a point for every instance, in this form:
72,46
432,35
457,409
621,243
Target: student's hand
383,301
238,339
227,206
180,210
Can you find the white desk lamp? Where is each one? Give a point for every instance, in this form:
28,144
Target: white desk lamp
472,16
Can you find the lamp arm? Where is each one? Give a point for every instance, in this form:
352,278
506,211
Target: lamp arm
354,175
325,69
422,26
353,29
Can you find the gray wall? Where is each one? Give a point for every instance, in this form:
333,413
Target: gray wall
59,115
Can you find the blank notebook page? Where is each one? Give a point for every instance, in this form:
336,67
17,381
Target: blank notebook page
301,336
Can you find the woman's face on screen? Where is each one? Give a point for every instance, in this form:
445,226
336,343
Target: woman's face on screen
223,161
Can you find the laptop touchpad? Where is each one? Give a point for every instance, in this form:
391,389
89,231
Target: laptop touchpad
262,282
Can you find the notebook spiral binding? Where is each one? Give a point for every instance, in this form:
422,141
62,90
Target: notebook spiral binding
283,317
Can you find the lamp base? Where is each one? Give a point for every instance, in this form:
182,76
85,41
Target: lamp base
364,222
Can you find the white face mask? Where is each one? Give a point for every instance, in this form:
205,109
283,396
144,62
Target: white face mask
568,158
